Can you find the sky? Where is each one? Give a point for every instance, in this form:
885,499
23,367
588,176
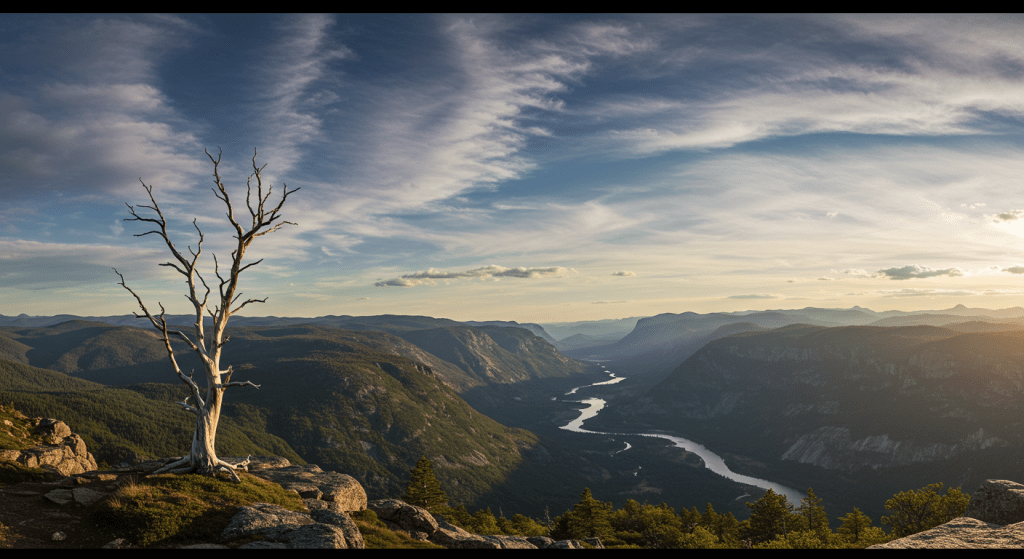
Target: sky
537,168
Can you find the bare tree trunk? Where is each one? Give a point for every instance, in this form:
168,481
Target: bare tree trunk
203,456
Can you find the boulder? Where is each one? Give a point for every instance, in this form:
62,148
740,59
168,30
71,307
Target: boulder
62,451
281,528
271,522
353,538
997,502
311,482
408,518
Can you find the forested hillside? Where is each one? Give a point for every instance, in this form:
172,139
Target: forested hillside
366,402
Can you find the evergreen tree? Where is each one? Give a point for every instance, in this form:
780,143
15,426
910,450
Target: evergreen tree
854,525
588,518
527,526
690,519
924,509
813,513
424,490
770,517
484,522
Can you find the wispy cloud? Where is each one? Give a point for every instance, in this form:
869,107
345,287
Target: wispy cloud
292,91
95,119
927,293
485,272
754,296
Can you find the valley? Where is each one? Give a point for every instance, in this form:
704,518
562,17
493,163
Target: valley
858,412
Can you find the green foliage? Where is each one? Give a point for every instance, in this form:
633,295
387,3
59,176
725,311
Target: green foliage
854,525
700,538
648,526
725,527
813,514
588,518
173,510
526,526
805,539
924,509
484,523
770,517
424,490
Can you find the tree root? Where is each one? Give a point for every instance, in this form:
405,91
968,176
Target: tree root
185,465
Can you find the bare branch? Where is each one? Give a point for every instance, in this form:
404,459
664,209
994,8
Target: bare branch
238,383
184,404
239,307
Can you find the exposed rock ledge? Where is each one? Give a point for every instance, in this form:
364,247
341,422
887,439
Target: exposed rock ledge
62,451
994,519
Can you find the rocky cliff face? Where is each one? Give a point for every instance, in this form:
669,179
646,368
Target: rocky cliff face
833,448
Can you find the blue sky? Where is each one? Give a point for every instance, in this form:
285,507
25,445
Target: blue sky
532,168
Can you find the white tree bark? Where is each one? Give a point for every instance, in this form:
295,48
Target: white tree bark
202,458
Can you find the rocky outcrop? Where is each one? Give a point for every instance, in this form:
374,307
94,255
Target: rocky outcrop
310,482
994,519
60,451
328,497
418,523
998,502
280,528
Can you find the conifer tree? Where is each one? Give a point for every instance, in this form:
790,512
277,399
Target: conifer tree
424,490
813,512
770,517
854,525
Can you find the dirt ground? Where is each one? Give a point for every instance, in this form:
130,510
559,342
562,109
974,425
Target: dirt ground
32,520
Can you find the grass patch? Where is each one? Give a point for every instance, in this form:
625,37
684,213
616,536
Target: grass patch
173,510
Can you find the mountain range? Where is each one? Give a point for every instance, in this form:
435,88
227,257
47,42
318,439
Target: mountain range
828,398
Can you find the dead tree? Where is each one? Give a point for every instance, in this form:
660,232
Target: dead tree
203,457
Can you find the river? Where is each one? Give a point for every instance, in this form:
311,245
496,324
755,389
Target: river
714,462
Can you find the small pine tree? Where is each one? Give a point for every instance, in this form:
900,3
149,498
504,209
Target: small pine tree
424,490
813,512
854,525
